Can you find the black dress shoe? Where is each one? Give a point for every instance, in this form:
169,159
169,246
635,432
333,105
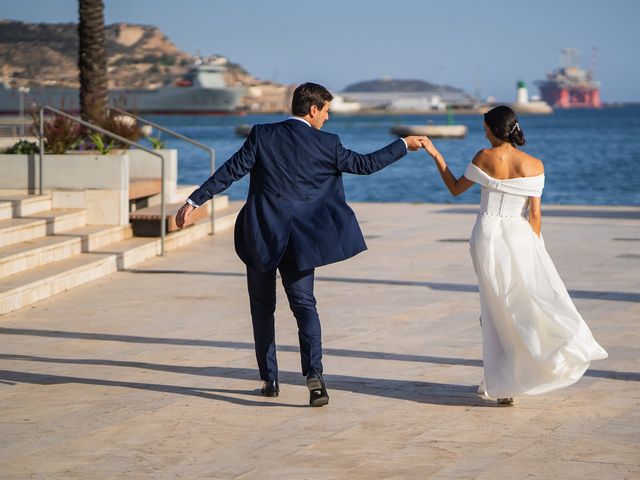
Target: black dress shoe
270,388
317,389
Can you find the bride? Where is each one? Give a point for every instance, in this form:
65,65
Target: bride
534,339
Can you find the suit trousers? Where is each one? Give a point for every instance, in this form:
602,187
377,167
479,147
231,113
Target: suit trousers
298,285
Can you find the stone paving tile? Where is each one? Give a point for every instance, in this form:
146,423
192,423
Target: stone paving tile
151,373
390,470
633,475
554,470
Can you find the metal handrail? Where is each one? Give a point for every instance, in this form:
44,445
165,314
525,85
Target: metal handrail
163,220
212,152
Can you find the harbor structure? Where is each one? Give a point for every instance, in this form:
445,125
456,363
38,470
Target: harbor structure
570,86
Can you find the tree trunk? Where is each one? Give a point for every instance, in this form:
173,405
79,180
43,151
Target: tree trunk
92,61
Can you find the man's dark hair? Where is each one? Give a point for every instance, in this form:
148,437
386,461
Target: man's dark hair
309,94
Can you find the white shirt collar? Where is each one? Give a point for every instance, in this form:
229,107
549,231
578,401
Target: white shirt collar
293,117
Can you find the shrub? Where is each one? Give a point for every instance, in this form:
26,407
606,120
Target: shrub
122,125
61,134
23,147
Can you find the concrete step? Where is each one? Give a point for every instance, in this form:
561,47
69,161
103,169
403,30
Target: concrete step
98,236
61,219
146,221
22,205
14,230
27,287
17,291
138,249
23,256
6,210
132,251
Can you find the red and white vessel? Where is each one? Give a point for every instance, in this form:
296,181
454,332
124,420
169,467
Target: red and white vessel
570,86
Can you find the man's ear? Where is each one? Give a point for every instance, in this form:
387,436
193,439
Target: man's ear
313,111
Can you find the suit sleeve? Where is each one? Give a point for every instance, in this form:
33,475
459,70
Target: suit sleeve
349,161
233,169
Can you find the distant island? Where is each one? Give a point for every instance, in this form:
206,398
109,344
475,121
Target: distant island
393,94
398,85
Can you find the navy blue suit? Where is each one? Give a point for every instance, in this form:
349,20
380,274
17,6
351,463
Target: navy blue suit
295,219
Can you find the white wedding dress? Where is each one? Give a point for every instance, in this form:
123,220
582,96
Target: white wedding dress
534,339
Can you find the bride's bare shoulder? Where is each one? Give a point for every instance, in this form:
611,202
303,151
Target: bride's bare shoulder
531,165
484,158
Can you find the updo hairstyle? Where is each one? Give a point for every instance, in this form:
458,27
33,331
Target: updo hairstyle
503,123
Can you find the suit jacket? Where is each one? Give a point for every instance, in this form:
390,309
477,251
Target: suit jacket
296,197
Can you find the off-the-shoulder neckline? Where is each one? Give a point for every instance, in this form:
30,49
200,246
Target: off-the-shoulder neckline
506,179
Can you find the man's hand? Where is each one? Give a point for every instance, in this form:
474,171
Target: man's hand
183,214
414,142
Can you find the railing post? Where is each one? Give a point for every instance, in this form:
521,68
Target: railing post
41,141
163,209
212,154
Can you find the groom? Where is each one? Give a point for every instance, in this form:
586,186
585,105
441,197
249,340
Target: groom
295,219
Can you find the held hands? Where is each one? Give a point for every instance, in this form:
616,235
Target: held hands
429,147
414,142
183,215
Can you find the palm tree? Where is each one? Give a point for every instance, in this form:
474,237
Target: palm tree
92,61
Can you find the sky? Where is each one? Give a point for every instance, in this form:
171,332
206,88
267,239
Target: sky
484,47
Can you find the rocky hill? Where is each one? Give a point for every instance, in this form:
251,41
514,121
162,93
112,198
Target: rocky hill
37,54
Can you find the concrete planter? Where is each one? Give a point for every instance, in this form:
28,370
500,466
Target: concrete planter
84,179
99,183
143,165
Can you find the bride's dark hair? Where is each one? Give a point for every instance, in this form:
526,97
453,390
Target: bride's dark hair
503,123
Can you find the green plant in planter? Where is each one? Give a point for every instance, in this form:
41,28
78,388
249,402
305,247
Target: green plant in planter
23,147
156,142
101,146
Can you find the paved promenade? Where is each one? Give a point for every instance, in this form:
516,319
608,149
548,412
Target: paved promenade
150,373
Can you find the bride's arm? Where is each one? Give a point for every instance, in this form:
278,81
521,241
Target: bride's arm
455,185
535,214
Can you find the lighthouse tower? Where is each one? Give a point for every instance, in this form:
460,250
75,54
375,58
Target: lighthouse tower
524,105
522,94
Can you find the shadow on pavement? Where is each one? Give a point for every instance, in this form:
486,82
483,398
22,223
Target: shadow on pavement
450,287
417,391
610,374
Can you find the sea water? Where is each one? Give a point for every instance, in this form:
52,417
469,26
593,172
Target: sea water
590,156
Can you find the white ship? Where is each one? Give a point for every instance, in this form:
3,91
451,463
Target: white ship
202,91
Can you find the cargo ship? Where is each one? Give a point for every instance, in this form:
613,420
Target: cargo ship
202,91
569,86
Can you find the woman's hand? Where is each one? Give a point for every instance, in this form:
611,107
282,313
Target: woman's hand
429,147
414,142
535,215
455,185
